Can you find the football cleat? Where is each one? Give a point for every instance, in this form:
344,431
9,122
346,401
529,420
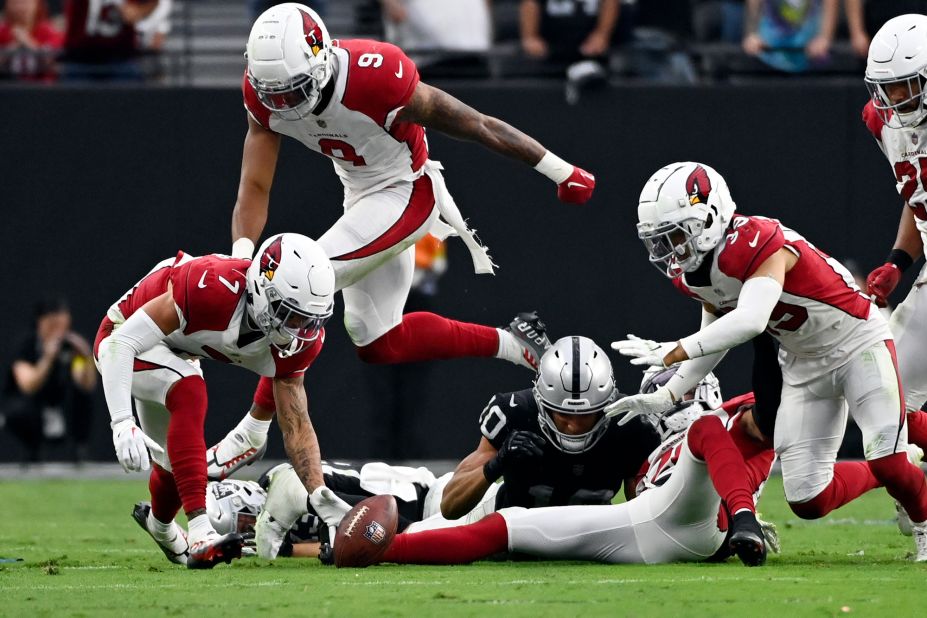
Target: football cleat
285,504
232,453
212,550
905,525
531,333
920,541
747,539
174,544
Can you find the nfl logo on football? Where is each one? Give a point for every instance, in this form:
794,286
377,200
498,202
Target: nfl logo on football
375,533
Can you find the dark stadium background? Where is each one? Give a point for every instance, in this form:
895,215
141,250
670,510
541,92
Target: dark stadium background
99,184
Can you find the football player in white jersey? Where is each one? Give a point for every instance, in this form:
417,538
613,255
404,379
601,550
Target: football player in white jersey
896,71
751,274
696,500
360,103
265,315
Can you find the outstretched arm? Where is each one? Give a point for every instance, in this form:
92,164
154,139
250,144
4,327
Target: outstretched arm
435,109
468,485
299,439
258,163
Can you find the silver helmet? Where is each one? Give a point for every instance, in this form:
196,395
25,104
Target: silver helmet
574,377
233,506
705,397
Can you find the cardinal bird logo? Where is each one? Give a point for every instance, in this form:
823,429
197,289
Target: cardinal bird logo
698,186
270,259
313,33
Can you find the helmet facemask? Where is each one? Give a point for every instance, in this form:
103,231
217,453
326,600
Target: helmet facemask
672,246
289,328
295,99
703,399
570,443
910,111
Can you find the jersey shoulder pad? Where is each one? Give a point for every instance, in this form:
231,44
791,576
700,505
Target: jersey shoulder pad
749,242
292,366
380,80
873,121
253,105
508,412
207,290
680,285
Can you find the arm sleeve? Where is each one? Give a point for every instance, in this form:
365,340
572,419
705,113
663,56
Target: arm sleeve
757,299
691,372
138,334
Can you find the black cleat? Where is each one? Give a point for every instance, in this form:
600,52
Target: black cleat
532,334
215,549
176,549
747,539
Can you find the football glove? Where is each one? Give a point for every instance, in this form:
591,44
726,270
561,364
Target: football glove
882,282
577,189
519,448
770,535
644,352
657,402
327,505
132,446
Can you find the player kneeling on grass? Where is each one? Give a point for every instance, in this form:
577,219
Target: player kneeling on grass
696,501
266,316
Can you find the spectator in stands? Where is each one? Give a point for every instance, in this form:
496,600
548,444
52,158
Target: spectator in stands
719,20
101,41
567,31
47,395
457,25
153,30
29,40
790,35
865,18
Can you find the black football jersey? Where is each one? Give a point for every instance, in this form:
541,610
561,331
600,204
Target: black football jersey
562,478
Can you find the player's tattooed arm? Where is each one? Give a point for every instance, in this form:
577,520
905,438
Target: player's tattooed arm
258,163
299,438
435,109
466,488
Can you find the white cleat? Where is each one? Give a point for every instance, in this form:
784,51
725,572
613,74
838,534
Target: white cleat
905,525
286,503
233,452
920,541
174,544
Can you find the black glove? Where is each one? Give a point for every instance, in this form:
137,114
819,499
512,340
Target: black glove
519,448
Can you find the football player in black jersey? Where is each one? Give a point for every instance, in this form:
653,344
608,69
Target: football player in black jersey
551,444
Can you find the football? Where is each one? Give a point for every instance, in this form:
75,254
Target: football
366,531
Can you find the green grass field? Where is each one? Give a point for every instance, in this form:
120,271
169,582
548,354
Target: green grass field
84,556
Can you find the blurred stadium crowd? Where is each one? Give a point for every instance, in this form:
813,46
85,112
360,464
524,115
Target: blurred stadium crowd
200,42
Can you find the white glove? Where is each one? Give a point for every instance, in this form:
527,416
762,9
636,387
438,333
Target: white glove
328,506
770,534
644,351
656,402
130,443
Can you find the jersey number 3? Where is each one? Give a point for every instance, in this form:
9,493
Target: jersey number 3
337,149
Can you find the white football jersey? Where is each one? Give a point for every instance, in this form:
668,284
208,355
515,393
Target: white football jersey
357,127
822,318
209,296
906,151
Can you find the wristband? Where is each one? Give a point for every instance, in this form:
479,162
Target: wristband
243,248
901,259
492,470
554,167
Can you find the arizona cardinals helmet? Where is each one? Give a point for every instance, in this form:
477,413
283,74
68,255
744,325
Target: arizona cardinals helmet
291,291
704,398
574,377
896,71
683,212
289,59
233,506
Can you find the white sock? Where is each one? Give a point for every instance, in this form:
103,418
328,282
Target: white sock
158,528
199,528
255,429
510,348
